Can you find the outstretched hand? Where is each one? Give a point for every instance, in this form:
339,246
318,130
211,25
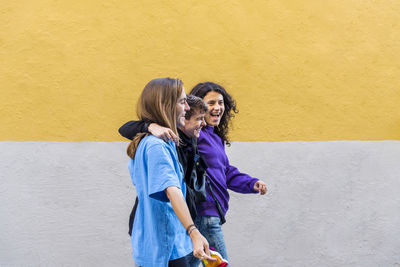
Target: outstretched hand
260,187
164,133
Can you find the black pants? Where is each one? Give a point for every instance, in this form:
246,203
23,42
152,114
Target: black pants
181,262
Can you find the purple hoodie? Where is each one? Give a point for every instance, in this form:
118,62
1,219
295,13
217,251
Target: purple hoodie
222,174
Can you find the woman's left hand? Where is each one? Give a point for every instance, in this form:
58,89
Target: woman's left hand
261,187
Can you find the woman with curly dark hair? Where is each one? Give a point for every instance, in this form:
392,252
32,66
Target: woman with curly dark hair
158,234
221,175
215,95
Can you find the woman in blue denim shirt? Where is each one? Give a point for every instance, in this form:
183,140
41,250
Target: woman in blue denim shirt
163,232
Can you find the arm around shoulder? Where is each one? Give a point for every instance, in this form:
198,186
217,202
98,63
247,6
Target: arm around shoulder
132,128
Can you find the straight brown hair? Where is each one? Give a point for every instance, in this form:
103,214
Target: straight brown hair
157,104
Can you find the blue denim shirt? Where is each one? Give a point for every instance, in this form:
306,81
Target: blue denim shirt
157,234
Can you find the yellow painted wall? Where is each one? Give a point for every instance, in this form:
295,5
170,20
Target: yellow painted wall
299,70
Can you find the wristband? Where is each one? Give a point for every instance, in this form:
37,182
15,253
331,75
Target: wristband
188,228
191,230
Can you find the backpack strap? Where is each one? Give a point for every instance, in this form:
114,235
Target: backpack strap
220,213
132,216
201,164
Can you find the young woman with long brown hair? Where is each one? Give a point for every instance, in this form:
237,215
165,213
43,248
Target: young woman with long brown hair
163,232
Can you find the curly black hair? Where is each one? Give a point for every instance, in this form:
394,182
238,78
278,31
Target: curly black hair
222,129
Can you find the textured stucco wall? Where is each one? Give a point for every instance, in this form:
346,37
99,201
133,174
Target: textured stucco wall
299,70
329,204
309,70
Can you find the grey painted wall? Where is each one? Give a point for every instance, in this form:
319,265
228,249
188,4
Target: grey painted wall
329,204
